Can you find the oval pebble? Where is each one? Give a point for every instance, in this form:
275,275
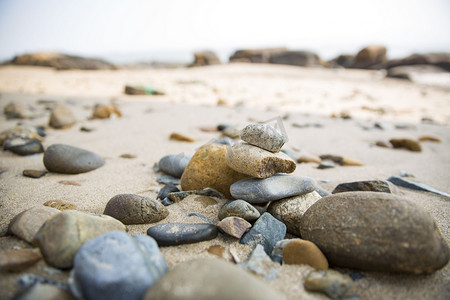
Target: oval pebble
174,164
239,208
182,233
67,159
301,252
264,136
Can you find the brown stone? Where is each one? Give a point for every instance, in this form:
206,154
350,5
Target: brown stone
26,224
60,205
409,144
301,252
216,250
34,173
61,117
182,138
207,168
18,260
371,57
429,138
105,112
234,226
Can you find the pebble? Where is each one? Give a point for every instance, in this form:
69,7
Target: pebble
399,181
34,173
373,231
14,110
128,156
60,204
277,252
290,210
86,129
429,138
67,159
181,138
116,265
18,260
134,209
233,132
166,190
62,235
239,208
23,146
142,90
207,168
234,226
408,144
301,252
179,196
256,162
21,131
216,250
106,112
266,231
306,157
279,186
341,160
26,224
326,164
174,164
329,282
264,136
260,264
205,278
381,186
166,201
44,291
61,117
321,191
182,233
166,179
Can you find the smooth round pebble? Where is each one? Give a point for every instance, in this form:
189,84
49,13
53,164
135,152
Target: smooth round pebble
172,234
329,282
301,252
239,208
174,164
60,158
23,146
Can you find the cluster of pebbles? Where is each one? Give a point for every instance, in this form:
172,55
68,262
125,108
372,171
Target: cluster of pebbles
283,218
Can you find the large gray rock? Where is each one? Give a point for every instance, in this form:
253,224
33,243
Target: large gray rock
62,235
210,278
116,265
264,136
67,159
375,232
279,186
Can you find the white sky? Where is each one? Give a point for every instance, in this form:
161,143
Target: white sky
90,27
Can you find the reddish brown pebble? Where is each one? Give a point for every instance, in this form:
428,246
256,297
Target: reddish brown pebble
234,226
409,144
18,260
428,138
34,173
69,182
182,138
302,252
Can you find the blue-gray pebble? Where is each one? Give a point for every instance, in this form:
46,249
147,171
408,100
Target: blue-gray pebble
67,159
174,164
266,231
182,233
279,186
116,265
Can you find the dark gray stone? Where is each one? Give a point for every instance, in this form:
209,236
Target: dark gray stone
266,231
67,159
174,164
255,190
34,173
399,181
182,233
264,136
166,201
239,208
178,196
116,265
166,190
381,186
23,146
166,179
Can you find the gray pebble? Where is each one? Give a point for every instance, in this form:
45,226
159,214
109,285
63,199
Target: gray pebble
264,136
23,146
174,164
67,159
166,179
182,233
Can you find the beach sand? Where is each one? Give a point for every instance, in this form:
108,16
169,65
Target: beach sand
248,93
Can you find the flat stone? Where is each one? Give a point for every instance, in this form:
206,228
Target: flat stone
264,136
179,196
181,138
34,173
134,209
279,186
207,168
205,278
381,186
326,164
182,233
301,252
26,224
67,159
166,201
277,252
260,264
341,160
174,164
61,117
23,146
266,231
399,181
430,138
44,291
234,226
256,162
166,179
22,131
290,210
18,260
105,111
166,190
116,265
328,282
373,231
128,156
239,208
408,144
62,235
60,204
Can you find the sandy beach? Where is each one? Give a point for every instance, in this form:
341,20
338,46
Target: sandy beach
230,94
